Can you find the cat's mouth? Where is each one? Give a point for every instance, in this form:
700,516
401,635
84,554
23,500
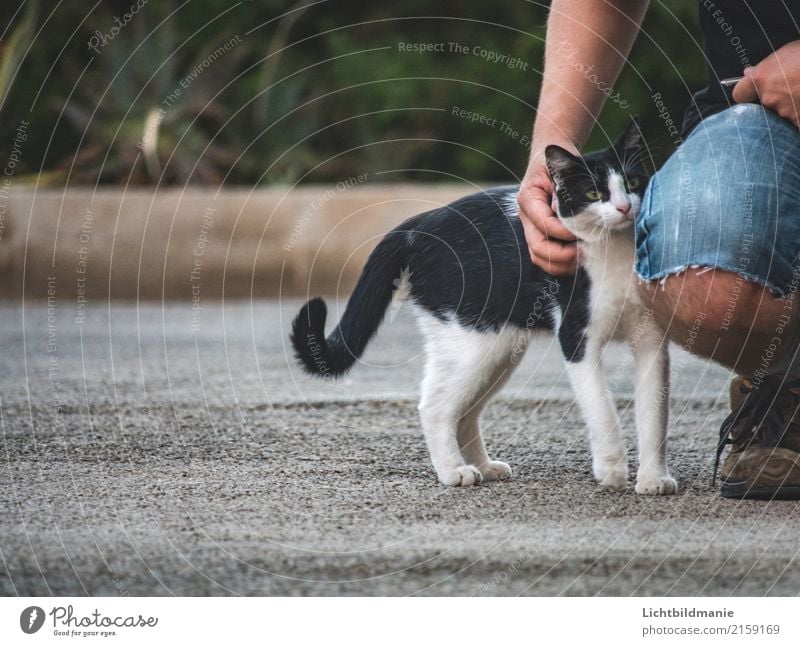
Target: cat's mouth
590,226
619,218
623,222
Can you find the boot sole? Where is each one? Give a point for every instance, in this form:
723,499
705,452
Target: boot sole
746,491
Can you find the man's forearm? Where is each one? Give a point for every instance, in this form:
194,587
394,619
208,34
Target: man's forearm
588,42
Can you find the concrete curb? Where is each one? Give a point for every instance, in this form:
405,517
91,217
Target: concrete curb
193,243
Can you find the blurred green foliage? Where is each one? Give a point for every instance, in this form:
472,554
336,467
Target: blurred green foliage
305,91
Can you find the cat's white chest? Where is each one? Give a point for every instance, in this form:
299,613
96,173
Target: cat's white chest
615,301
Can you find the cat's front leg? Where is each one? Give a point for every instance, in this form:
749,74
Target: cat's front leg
651,359
609,458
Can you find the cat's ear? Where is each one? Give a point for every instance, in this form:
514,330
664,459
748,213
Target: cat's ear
559,160
632,137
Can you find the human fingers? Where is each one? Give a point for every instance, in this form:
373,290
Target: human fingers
555,257
746,90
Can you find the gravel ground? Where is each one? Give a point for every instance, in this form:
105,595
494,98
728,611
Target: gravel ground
145,457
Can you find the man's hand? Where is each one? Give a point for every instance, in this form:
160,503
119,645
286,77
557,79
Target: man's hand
774,82
599,34
550,243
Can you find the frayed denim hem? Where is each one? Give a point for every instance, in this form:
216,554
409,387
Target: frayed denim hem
662,275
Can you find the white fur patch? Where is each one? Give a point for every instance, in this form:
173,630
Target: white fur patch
402,285
401,293
618,195
510,205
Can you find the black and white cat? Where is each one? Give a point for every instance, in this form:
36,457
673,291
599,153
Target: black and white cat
478,298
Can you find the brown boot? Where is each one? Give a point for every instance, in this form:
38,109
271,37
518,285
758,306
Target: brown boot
763,430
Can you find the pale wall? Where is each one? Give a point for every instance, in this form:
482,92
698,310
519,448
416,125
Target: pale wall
144,244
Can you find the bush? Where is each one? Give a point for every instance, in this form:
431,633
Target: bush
258,92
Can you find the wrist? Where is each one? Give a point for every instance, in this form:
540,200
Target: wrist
543,137
542,141
563,130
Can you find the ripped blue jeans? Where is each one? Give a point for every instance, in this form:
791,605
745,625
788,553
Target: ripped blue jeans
727,198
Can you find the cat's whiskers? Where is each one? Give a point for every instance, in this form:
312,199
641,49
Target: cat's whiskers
630,162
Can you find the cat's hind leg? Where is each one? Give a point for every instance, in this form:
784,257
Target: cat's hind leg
464,368
474,450
492,371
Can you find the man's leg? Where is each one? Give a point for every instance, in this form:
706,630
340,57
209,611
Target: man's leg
718,242
695,307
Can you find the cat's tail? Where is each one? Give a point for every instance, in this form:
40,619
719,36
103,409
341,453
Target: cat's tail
335,355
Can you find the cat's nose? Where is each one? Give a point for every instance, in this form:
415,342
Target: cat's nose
625,209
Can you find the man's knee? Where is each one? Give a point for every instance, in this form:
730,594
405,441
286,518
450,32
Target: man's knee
710,300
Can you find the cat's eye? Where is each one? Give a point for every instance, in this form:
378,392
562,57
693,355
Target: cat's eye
594,196
632,184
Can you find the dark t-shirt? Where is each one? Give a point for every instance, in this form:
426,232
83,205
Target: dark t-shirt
738,34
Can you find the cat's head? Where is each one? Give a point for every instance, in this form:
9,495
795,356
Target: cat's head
601,191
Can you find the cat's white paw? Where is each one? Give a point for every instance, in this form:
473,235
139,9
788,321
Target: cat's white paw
495,470
465,476
656,485
611,474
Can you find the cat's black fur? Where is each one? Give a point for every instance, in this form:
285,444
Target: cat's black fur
469,260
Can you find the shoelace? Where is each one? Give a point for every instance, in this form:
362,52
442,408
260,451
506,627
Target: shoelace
762,413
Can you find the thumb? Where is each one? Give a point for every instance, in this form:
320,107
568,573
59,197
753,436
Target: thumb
745,91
